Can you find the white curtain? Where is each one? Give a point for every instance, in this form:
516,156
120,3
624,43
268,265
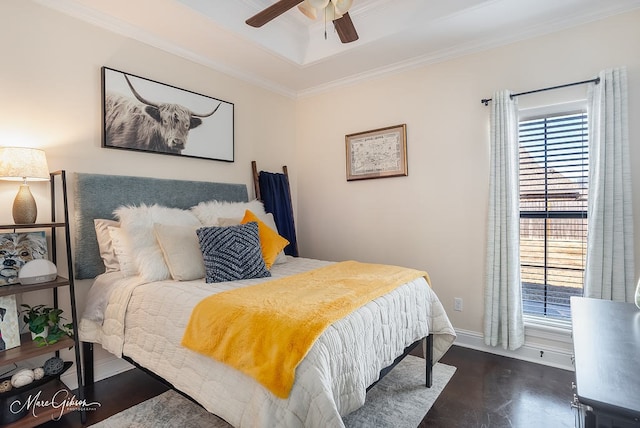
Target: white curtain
503,323
610,261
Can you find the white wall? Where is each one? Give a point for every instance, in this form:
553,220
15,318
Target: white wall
435,218
50,97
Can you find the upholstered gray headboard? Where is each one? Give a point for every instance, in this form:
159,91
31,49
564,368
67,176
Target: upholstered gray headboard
97,196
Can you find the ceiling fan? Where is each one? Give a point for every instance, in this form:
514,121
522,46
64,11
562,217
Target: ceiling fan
330,10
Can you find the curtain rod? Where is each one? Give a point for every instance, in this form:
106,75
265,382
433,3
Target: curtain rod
485,101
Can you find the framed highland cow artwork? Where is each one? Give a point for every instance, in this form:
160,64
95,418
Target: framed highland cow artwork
145,115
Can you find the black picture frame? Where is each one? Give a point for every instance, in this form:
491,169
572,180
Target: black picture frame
144,115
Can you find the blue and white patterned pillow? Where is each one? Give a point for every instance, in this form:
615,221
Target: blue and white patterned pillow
231,253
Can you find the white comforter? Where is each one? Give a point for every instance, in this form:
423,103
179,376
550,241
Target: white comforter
146,321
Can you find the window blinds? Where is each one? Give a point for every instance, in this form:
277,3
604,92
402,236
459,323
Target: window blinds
553,211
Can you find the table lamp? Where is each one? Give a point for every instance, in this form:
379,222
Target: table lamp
23,164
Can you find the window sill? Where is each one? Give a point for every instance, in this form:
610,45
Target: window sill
557,330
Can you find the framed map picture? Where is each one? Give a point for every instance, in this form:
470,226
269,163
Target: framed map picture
16,249
377,153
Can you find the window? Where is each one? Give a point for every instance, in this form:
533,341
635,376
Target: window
553,211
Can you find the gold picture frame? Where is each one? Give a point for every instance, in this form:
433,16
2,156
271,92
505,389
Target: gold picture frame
377,153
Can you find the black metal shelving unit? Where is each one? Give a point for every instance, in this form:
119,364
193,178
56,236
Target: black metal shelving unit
27,349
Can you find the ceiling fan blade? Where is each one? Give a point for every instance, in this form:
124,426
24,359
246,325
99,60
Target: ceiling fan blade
273,11
345,28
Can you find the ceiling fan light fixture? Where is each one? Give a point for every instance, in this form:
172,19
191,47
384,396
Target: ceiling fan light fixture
317,4
308,10
331,14
342,6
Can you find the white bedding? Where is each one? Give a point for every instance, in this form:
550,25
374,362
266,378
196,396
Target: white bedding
145,321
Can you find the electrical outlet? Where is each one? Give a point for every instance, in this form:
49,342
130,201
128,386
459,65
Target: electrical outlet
457,304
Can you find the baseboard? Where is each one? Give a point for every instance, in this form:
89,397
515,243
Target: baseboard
533,352
103,368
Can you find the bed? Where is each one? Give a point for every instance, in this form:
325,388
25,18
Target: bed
143,318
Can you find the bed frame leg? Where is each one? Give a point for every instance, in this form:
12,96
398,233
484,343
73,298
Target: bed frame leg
428,357
87,362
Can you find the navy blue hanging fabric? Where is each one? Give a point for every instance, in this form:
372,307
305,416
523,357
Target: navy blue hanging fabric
274,191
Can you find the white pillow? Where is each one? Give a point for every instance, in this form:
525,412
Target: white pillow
137,223
181,250
209,212
105,244
122,250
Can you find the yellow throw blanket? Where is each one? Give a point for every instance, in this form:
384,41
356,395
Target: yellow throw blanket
267,329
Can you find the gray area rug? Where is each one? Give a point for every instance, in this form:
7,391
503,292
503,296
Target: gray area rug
399,400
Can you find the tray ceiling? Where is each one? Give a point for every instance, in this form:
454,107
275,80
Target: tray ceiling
291,55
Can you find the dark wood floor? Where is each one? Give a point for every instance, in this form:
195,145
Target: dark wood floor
486,391
491,391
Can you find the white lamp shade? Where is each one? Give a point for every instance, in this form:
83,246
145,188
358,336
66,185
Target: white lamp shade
23,163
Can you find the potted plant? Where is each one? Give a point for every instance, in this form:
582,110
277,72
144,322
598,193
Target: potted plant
45,324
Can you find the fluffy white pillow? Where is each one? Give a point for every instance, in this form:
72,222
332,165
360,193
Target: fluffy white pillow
181,251
105,244
209,212
137,223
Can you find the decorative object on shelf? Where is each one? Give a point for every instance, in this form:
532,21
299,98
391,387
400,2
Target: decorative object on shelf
45,324
378,153
16,250
22,378
37,271
637,299
23,164
9,328
38,373
144,115
53,366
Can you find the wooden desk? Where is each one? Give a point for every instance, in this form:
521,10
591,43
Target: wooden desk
606,343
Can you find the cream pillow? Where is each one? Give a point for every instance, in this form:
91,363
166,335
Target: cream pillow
105,244
122,250
181,251
209,212
137,223
224,222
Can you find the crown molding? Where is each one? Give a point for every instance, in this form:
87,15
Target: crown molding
89,15
478,45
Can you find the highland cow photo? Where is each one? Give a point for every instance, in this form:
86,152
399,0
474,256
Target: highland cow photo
144,115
